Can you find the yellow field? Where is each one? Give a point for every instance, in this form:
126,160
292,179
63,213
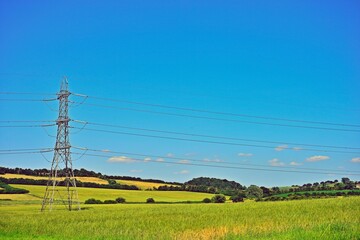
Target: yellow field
82,179
139,184
129,195
19,197
142,185
333,218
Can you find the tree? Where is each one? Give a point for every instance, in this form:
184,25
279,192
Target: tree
150,200
218,198
93,201
206,200
345,180
266,191
339,186
112,181
120,200
110,202
254,191
275,190
237,198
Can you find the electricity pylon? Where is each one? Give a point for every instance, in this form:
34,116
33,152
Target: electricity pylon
61,167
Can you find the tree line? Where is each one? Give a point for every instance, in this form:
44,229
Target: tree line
78,173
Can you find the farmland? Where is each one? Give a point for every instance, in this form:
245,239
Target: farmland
249,220
172,217
82,179
142,185
311,192
104,194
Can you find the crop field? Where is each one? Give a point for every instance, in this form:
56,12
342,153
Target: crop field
336,218
82,179
141,184
129,195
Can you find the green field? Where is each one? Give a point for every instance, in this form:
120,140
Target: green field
335,218
310,192
37,192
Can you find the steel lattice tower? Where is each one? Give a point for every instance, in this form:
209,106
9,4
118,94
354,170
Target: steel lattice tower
61,167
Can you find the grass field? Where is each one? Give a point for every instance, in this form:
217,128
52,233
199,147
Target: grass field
129,195
310,192
336,218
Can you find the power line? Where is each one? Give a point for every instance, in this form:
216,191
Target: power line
26,93
204,141
220,119
219,112
212,136
25,100
27,126
221,166
32,152
25,149
25,121
199,160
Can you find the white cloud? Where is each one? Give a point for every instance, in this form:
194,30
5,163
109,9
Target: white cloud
281,148
136,171
184,161
170,155
276,162
293,163
182,172
121,159
317,158
160,160
245,154
356,160
296,148
147,159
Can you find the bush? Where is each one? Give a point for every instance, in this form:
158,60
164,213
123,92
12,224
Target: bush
206,200
110,202
93,201
111,181
254,191
218,198
120,200
237,198
150,200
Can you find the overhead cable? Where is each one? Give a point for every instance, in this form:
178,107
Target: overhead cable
204,141
219,112
221,166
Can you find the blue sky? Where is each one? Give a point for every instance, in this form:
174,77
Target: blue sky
294,60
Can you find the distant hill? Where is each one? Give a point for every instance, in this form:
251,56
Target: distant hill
213,185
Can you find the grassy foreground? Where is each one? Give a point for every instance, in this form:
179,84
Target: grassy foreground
335,218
